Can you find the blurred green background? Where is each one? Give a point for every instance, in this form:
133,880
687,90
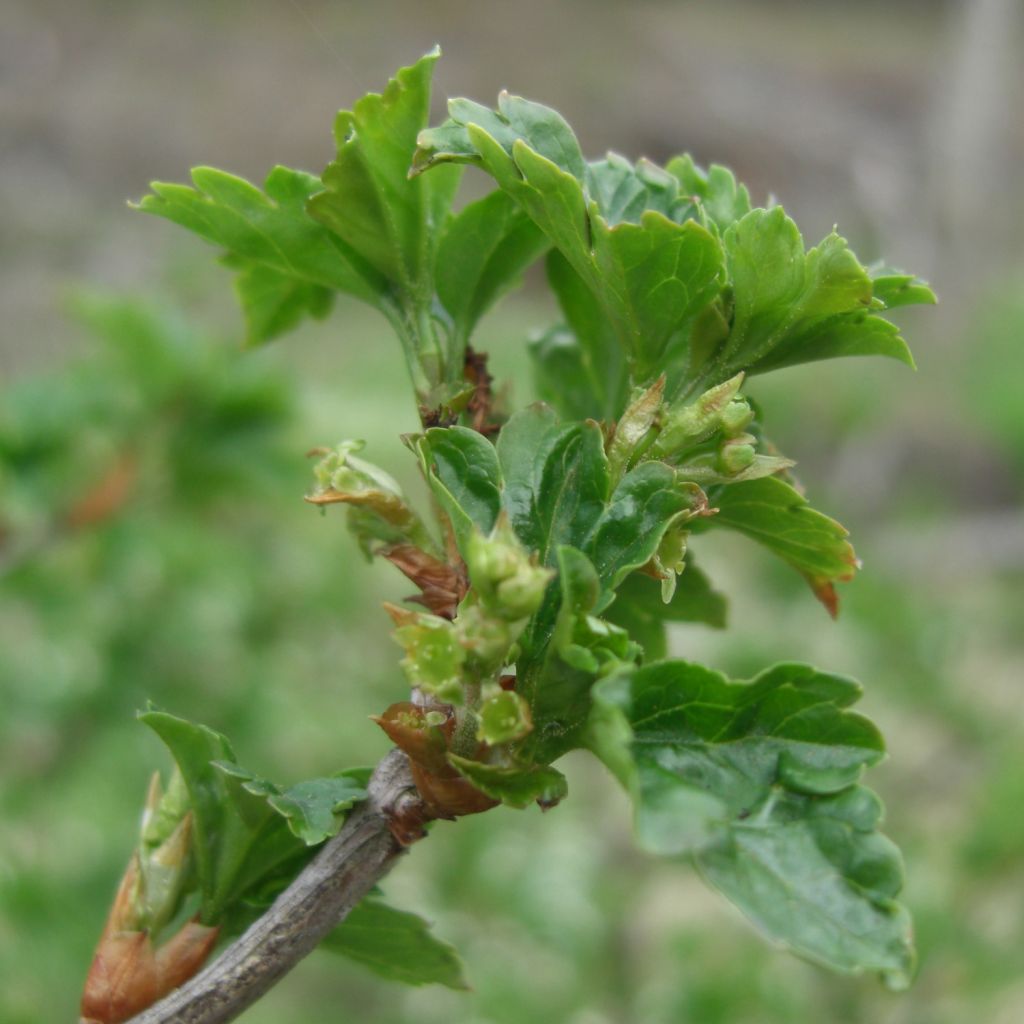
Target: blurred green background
154,544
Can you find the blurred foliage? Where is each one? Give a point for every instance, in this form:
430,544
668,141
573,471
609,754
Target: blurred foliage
155,546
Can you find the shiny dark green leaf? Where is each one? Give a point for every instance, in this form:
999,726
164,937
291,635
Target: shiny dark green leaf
645,503
556,479
462,468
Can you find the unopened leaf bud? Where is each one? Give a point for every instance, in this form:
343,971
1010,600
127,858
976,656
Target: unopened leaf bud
736,455
736,416
690,424
164,871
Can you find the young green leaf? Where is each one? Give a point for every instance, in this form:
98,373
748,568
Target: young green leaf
893,288
481,254
555,479
652,276
269,229
758,781
558,491
378,511
776,515
368,199
396,945
720,197
515,787
624,191
239,838
794,307
312,808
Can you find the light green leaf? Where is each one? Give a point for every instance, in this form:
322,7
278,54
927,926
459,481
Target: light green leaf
624,191
515,120
721,198
481,255
274,303
594,385
758,781
794,307
515,787
378,511
269,228
396,945
776,515
368,199
656,277
312,808
893,288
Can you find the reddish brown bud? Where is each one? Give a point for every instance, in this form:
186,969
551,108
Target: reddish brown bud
442,587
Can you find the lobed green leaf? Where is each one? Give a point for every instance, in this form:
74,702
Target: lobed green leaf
270,229
758,782
776,515
314,808
396,945
368,199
